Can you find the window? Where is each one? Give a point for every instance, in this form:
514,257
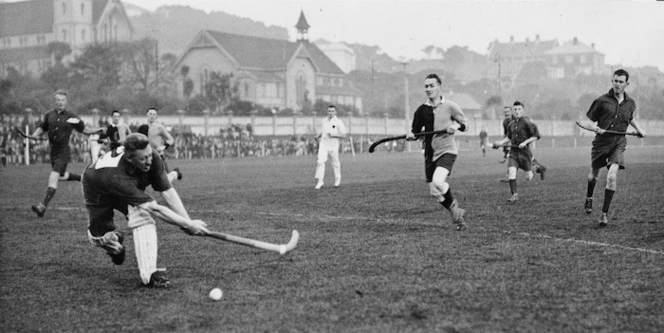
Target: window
246,89
83,35
64,8
300,86
82,9
583,59
64,35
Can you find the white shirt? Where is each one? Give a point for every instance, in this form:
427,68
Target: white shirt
334,127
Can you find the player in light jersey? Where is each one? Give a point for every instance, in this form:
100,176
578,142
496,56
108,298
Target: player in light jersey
160,140
332,129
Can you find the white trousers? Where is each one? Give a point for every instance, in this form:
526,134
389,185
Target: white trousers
333,153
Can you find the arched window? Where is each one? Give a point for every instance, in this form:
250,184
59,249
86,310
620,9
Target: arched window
300,87
64,35
82,9
83,35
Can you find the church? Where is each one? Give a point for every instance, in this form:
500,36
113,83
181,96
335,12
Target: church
271,72
27,27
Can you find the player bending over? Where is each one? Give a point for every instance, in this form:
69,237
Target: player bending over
117,181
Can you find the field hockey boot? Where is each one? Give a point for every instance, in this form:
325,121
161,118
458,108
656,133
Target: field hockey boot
458,216
158,280
39,209
178,172
603,220
514,198
541,170
588,206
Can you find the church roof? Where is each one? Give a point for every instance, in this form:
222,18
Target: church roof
97,9
270,54
26,17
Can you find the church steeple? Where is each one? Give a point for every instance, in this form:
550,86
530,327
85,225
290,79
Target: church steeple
302,28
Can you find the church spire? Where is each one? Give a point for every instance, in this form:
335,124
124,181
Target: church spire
302,28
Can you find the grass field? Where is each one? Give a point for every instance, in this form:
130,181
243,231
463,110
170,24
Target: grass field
375,255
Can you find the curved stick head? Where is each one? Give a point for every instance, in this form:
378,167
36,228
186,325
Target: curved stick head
285,248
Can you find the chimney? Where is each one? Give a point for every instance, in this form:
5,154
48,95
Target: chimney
527,40
592,45
537,38
575,41
511,39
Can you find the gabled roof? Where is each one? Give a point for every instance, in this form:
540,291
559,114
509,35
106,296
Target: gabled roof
465,101
572,47
26,17
98,7
269,54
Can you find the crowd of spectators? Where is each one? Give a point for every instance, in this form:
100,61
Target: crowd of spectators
232,142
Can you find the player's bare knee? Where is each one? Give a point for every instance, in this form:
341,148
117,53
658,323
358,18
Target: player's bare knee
611,180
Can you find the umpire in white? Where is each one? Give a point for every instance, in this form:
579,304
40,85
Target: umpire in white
332,129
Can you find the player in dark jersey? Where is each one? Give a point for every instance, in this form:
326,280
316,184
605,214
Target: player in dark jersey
116,132
117,181
612,111
59,124
440,150
507,112
520,132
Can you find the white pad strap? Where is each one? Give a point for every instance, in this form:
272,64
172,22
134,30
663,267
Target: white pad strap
145,245
109,242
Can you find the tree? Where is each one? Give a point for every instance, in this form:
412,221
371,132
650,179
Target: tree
221,90
58,50
97,70
428,50
141,58
454,56
534,71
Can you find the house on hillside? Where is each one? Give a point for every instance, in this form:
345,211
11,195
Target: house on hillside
573,58
27,27
471,108
270,72
505,60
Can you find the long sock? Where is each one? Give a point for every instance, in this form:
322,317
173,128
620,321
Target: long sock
50,192
608,196
591,188
513,186
74,177
145,246
448,199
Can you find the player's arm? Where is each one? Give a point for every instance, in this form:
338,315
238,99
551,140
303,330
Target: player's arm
38,132
458,119
498,143
637,128
174,202
192,227
168,138
93,130
416,126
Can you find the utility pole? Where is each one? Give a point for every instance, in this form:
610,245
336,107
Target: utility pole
406,103
156,70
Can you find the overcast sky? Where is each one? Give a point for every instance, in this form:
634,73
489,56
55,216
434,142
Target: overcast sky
628,32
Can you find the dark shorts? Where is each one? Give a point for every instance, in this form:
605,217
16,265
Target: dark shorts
520,159
60,158
608,150
101,218
446,161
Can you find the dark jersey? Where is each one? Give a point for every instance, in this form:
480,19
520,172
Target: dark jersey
112,182
59,126
610,115
506,123
521,129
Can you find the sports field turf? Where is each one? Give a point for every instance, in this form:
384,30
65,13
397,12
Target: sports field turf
375,255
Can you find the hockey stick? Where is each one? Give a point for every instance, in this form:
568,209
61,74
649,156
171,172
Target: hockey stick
280,248
400,137
593,128
18,130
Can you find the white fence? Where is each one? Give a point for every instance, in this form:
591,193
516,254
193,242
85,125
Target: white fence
308,125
